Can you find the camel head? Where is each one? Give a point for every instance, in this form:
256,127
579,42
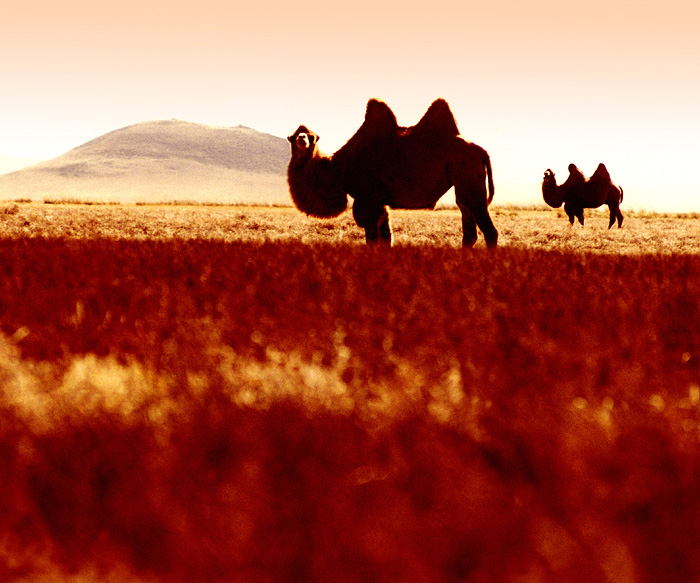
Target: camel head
549,181
303,143
313,178
550,190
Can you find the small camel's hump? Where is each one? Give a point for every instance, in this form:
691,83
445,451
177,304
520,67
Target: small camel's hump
601,174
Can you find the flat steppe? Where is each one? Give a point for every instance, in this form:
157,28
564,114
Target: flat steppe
542,229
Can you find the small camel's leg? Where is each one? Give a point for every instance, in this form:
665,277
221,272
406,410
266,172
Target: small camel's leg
571,213
619,218
613,214
575,213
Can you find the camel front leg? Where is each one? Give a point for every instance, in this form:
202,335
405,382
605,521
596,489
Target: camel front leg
374,219
570,212
574,212
384,228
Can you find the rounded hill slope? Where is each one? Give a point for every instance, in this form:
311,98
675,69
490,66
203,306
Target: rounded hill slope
239,147
162,161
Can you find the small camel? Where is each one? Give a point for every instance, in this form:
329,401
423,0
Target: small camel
579,193
386,165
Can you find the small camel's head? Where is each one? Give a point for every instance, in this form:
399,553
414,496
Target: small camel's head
550,191
303,142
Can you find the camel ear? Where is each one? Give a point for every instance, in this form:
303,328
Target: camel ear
290,139
313,138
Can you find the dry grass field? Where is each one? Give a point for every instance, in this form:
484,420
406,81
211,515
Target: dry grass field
240,394
542,229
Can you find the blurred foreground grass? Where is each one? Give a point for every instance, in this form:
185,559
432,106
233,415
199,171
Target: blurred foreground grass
210,411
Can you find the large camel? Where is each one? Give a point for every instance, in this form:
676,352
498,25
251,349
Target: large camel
577,193
386,165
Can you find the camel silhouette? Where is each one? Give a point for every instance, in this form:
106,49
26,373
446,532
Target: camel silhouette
385,165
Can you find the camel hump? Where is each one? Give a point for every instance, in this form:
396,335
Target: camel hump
574,179
379,117
575,174
601,174
438,119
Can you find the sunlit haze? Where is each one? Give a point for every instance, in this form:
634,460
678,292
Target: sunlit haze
538,84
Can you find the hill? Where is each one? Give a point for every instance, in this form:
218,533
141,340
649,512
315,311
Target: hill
162,161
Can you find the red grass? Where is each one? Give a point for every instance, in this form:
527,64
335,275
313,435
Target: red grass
208,411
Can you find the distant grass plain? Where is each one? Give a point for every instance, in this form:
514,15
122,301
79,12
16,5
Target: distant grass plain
529,227
229,393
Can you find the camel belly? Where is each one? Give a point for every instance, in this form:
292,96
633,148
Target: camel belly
408,191
414,203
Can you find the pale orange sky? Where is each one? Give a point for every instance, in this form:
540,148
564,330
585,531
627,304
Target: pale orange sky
538,84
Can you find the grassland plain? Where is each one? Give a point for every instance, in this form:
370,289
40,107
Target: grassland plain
543,229
210,394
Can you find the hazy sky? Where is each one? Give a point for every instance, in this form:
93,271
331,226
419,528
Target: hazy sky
539,84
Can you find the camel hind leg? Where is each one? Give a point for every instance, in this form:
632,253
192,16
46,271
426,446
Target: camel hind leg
467,172
469,235
475,211
615,215
616,207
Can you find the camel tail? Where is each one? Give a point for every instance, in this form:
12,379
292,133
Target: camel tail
622,194
489,176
